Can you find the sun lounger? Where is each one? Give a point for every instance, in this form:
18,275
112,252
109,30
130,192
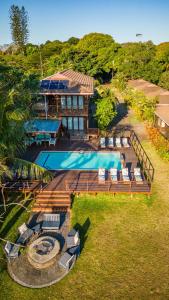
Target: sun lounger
102,142
113,175
110,142
51,222
101,175
137,175
118,142
125,142
125,175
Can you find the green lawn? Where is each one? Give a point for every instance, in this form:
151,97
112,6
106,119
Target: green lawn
125,247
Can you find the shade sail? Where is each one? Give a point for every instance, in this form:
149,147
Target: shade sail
39,125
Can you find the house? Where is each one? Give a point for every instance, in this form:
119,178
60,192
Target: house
161,114
66,96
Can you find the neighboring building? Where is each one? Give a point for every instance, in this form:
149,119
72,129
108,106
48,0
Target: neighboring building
161,117
66,96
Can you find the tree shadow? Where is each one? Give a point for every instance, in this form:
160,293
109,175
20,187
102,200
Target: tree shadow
9,208
12,221
83,229
122,112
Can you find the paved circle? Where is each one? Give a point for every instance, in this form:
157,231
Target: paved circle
42,251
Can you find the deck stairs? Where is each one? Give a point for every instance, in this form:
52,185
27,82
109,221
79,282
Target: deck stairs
52,201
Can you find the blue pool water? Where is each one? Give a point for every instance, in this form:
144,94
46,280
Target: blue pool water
74,160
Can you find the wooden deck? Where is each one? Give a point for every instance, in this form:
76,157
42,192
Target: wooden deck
87,181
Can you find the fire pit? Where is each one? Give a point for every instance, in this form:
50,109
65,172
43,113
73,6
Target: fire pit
41,252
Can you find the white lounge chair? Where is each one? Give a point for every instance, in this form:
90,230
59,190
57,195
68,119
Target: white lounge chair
102,142
137,175
125,142
118,142
110,142
101,175
113,175
125,175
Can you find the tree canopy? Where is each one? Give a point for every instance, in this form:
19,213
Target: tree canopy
19,26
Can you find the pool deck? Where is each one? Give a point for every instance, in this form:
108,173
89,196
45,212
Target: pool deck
87,181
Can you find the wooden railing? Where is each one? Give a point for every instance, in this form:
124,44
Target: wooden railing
24,185
86,185
93,131
73,112
143,158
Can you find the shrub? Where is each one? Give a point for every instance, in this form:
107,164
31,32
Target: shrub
144,107
161,144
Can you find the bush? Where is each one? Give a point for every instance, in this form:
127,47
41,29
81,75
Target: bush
105,107
144,107
159,141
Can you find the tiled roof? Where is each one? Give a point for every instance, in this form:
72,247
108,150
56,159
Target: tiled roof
163,113
150,90
78,83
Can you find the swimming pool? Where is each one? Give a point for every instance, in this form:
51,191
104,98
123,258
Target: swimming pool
75,160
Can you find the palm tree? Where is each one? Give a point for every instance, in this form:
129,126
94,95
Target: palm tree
15,101
4,170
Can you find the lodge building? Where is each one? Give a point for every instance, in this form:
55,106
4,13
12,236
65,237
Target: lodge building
66,96
161,114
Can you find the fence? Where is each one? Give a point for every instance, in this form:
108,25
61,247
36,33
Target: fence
142,157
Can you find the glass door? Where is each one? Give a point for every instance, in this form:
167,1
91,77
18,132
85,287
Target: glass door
70,123
81,123
75,123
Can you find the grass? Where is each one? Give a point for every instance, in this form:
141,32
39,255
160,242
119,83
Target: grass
125,243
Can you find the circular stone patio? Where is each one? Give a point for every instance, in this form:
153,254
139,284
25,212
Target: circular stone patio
25,273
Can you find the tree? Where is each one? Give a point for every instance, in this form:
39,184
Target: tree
143,106
164,80
19,26
105,108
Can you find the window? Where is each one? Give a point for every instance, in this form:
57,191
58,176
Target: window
80,102
64,122
75,123
70,123
63,102
74,102
69,102
81,123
